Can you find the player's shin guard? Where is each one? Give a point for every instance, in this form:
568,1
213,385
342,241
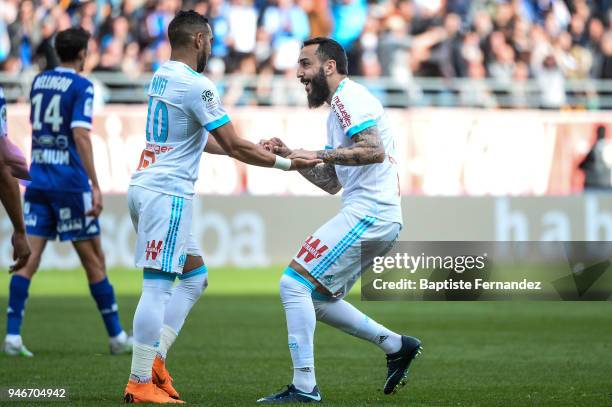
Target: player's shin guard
295,292
185,294
18,294
104,295
342,315
148,320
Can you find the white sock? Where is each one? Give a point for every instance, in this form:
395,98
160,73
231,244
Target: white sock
119,338
14,340
149,314
147,326
342,315
166,339
301,321
185,294
142,362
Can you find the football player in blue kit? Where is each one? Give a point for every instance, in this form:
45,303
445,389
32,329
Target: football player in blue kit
64,198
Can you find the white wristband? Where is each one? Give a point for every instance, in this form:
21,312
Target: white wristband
282,163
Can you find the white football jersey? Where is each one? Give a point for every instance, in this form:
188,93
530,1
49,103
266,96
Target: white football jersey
369,189
183,107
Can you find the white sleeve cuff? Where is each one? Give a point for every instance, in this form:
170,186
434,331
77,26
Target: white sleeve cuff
80,123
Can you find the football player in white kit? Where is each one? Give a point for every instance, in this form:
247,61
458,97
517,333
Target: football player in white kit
184,111
359,158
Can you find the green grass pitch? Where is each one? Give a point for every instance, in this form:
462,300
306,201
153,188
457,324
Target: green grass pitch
233,348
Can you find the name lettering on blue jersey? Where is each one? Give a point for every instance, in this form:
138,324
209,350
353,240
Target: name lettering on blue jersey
52,83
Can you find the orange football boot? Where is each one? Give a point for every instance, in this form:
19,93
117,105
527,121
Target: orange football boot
146,393
162,378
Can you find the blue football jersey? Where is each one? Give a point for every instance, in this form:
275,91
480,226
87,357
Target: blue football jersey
61,100
3,126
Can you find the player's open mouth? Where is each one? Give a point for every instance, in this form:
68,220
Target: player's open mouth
306,83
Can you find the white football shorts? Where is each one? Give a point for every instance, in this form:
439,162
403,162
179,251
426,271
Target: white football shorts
332,254
163,226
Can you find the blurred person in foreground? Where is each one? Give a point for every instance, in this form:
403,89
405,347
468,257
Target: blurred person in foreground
359,158
64,197
13,166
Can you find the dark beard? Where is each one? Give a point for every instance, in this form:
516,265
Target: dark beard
319,91
202,60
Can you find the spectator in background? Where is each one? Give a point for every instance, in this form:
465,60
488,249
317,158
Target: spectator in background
349,17
287,27
605,70
242,20
597,165
548,40
24,34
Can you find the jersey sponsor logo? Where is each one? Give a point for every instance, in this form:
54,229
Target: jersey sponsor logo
343,116
30,220
65,213
60,83
157,149
69,225
311,249
49,141
52,157
154,247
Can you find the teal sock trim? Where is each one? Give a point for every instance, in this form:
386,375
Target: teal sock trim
200,270
289,272
152,274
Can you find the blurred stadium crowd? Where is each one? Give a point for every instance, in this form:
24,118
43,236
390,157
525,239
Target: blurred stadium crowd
509,41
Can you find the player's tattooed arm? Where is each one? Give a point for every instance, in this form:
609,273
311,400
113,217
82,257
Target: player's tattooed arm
367,149
324,176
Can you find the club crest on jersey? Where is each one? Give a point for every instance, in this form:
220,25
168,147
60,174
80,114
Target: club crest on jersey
311,249
153,249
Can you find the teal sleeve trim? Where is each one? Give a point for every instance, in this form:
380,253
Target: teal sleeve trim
217,123
200,270
289,272
361,127
329,148
152,274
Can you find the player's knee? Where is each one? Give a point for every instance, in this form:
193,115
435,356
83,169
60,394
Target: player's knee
320,309
197,286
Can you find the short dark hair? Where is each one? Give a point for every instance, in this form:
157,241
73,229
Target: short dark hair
70,42
184,25
330,49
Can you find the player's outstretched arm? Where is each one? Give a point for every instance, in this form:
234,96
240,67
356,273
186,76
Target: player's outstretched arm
323,175
367,149
249,153
82,139
12,157
212,147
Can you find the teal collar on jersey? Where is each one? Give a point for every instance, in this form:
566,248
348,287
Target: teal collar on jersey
64,69
341,85
190,69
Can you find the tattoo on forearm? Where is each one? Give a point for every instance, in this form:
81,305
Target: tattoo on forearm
324,176
368,149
